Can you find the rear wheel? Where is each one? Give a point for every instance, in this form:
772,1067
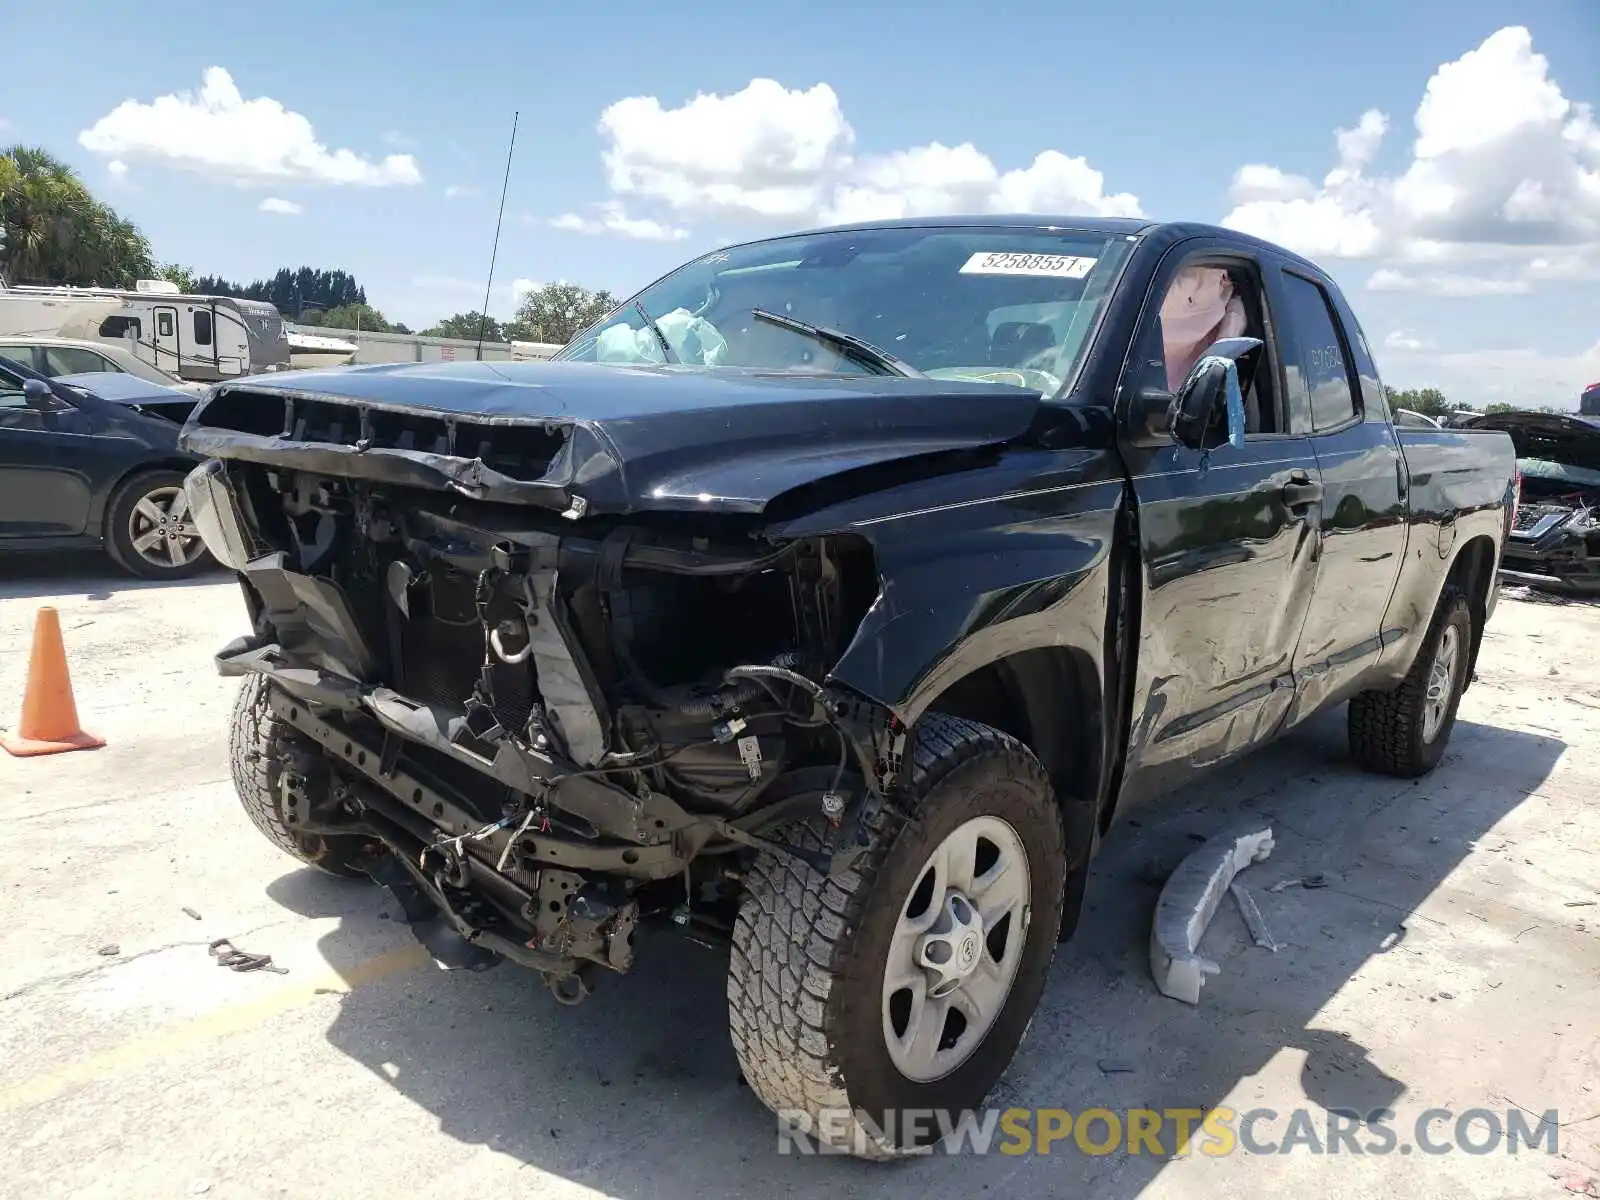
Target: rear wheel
149,531
254,751
1404,732
908,983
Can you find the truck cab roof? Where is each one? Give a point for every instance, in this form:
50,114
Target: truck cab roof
1141,228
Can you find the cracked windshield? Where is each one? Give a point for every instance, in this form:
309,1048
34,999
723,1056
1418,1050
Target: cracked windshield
1000,306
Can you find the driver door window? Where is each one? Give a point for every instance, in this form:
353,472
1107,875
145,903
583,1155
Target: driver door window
1203,303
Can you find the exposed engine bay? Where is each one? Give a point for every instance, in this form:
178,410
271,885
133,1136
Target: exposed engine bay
1555,536
548,731
1557,526
1554,496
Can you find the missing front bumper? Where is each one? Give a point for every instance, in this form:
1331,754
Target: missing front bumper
366,757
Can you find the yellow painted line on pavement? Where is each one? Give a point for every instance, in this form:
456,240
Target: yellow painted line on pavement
162,1043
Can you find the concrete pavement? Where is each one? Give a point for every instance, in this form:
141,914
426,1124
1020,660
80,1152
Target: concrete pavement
1452,961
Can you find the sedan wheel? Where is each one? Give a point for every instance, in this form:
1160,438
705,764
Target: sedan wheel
150,531
160,530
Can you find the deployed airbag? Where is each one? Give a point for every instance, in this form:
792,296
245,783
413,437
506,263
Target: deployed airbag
1200,307
693,339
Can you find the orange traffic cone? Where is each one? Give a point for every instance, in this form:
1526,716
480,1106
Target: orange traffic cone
49,715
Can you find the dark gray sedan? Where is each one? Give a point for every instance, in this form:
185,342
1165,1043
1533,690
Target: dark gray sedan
80,467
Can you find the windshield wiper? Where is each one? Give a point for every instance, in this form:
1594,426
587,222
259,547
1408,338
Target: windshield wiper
859,349
655,329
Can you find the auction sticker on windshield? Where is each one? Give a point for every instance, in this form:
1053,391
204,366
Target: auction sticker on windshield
1006,262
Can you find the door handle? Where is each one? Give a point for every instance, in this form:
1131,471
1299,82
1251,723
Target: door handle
1301,490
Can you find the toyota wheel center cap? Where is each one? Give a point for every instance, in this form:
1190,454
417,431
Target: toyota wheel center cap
967,951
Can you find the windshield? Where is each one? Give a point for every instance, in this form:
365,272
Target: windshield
1001,305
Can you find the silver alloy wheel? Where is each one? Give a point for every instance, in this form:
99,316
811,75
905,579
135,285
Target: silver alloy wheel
1441,683
956,949
160,531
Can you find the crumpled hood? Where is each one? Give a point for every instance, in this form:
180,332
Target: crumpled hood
118,387
586,438
1571,440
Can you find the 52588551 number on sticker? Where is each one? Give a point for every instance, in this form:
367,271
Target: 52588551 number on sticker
1006,262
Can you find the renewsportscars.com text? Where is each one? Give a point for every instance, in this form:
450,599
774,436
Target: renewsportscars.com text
1175,1132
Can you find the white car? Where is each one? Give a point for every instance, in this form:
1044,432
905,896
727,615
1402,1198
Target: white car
56,357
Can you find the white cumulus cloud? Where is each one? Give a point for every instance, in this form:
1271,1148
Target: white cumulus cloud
218,133
1504,172
1447,283
288,208
936,179
790,155
1405,341
613,219
1513,375
766,149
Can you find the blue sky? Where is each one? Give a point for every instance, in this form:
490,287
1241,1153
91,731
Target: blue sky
1493,294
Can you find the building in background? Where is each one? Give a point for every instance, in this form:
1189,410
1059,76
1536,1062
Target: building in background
321,344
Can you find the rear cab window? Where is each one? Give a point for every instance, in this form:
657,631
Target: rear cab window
1320,379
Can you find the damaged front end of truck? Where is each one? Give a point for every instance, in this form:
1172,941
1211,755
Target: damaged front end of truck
549,678
1554,541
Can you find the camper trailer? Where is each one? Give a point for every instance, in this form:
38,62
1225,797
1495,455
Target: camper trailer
198,338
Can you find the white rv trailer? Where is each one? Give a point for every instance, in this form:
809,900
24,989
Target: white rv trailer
199,338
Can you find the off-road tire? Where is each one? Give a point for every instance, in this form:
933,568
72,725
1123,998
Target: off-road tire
251,733
118,509
1386,727
806,972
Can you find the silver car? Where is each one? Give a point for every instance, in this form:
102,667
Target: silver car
56,357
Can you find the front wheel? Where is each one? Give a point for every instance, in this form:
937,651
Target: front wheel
255,754
1404,732
903,988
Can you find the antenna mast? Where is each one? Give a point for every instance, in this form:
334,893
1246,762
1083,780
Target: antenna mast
483,319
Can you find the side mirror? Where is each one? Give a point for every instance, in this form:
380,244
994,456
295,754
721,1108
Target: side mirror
1212,389
36,394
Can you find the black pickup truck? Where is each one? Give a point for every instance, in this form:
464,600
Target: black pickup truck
832,598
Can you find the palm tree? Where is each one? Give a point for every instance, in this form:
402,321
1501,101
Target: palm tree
56,232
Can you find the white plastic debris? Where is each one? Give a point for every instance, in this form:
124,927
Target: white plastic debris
1254,921
1189,901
